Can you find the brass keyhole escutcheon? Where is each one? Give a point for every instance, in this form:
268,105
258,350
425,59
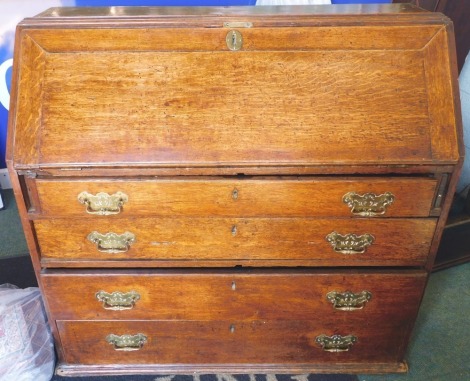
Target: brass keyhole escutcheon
234,40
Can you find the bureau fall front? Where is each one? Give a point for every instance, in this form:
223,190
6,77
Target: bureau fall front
251,189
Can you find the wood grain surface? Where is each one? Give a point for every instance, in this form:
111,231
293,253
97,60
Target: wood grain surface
214,343
224,295
373,100
405,241
275,196
235,165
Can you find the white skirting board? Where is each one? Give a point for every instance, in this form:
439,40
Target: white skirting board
464,84
5,182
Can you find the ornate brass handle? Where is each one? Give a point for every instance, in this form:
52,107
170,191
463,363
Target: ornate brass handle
368,204
348,301
350,243
336,343
103,203
127,342
112,242
118,301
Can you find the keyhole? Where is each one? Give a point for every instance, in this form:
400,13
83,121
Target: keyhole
235,194
234,230
232,328
234,286
234,40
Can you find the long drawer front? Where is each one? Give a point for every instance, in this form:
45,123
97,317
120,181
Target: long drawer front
230,342
227,316
325,241
239,295
273,197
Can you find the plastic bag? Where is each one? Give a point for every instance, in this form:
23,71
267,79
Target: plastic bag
26,346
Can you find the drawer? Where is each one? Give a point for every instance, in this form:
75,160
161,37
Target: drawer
233,295
345,241
231,342
299,197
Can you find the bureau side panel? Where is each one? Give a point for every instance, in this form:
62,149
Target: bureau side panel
25,120
444,112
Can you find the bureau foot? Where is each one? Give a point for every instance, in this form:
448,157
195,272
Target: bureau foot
97,370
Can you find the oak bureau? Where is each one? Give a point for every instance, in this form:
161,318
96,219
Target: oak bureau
252,189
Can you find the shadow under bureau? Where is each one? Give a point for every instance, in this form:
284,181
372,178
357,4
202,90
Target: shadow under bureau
252,189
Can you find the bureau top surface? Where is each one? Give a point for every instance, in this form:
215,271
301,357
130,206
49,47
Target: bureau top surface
242,86
287,11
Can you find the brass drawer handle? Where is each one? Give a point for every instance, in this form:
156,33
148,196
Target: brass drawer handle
348,301
368,204
350,243
112,242
127,342
336,343
117,301
102,203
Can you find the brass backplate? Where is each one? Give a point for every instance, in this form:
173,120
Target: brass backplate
234,40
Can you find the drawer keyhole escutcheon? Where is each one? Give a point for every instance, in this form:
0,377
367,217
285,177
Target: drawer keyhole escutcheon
348,301
235,194
103,204
350,243
336,343
117,301
232,328
234,40
234,286
111,242
368,204
234,230
127,342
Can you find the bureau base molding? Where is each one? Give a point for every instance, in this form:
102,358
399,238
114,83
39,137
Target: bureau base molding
344,368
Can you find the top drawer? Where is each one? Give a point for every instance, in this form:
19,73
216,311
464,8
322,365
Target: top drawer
306,197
